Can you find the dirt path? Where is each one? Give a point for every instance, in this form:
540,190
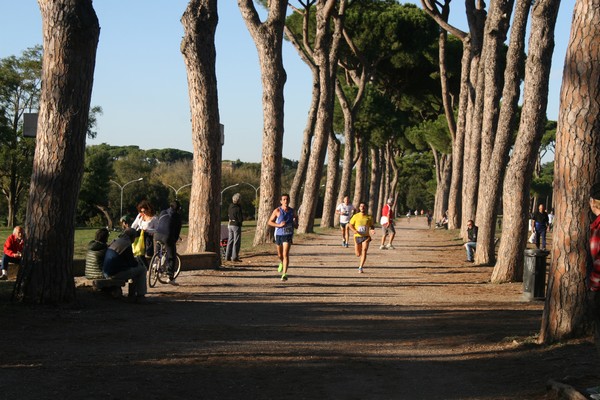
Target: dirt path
418,324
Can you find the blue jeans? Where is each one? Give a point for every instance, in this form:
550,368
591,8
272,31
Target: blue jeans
8,259
234,242
540,231
470,246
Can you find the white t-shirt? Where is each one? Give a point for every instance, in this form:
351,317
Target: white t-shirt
346,211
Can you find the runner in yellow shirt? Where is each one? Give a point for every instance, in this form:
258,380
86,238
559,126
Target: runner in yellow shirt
362,226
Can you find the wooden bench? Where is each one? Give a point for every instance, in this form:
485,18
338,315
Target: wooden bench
112,286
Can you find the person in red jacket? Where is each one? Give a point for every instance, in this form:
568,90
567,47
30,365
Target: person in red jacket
13,247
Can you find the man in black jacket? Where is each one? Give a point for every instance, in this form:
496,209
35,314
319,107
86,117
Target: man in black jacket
167,232
472,240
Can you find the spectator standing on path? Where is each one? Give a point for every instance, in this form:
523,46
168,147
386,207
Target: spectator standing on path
120,263
550,220
593,280
429,218
471,244
362,225
13,249
167,232
284,219
234,229
345,210
540,224
387,225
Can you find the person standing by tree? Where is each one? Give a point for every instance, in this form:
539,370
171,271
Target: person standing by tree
167,232
345,210
234,228
362,225
540,225
13,249
284,219
387,224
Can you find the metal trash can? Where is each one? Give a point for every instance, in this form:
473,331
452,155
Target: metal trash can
534,274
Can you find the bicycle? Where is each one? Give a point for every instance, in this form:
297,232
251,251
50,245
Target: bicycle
157,271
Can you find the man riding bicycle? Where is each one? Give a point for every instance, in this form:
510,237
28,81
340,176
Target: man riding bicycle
167,232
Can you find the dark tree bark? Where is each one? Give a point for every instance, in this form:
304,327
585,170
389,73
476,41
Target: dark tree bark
577,155
531,129
268,37
200,21
374,181
70,37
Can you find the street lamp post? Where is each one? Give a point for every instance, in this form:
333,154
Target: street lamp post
177,190
228,187
255,196
123,187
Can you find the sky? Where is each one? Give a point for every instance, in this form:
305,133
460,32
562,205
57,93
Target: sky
140,78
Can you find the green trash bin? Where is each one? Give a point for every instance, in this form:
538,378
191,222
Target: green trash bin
534,274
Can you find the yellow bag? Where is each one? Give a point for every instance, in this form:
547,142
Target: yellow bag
139,246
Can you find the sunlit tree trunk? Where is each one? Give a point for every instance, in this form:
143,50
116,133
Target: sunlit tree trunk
443,174
361,172
496,147
577,155
70,32
374,181
327,38
305,54
198,48
268,37
332,185
348,160
531,129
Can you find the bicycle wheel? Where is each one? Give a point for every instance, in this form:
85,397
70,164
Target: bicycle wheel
161,271
153,270
177,266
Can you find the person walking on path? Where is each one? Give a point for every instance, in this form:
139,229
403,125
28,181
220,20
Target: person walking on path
234,229
471,244
345,210
362,226
387,225
13,250
540,225
284,219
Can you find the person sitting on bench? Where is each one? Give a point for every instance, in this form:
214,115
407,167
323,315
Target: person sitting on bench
120,263
13,249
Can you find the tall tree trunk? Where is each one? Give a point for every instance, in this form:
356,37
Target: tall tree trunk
577,154
198,48
361,171
384,191
306,55
326,58
374,181
443,174
348,161
329,200
493,165
531,129
268,37
70,33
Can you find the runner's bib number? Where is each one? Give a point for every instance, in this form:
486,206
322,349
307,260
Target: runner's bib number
361,229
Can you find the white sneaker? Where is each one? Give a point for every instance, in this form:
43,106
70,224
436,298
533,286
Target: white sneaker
382,247
172,282
390,247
